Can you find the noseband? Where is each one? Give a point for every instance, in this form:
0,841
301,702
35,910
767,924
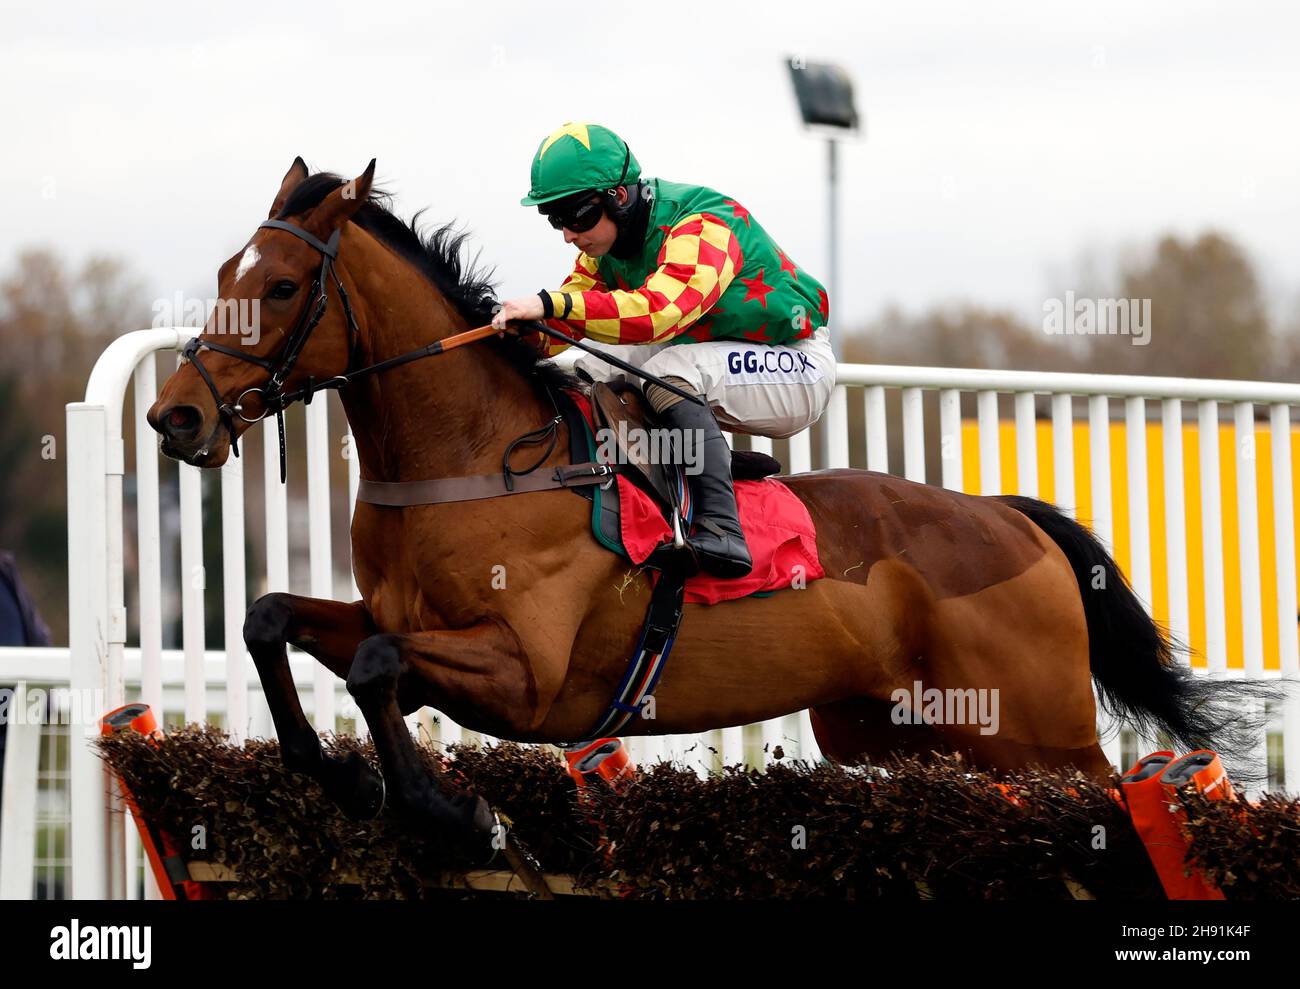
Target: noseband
273,396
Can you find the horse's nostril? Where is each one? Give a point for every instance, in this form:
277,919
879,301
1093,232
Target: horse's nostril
181,422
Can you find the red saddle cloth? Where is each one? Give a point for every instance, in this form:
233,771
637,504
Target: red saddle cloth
778,529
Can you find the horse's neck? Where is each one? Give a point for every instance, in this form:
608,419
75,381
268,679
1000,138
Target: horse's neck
450,415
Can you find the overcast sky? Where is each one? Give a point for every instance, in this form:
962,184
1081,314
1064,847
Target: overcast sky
1002,140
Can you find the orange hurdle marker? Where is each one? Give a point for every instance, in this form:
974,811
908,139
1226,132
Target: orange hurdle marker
169,868
1151,792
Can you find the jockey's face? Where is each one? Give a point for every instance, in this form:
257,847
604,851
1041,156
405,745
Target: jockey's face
597,241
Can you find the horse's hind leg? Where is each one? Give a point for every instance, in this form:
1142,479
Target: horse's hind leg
1023,644
330,631
861,728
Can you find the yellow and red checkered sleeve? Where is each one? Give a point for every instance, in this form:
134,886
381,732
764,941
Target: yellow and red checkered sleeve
698,260
584,277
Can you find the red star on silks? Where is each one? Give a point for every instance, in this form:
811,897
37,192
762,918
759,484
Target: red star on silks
666,229
740,212
755,289
788,265
823,304
621,283
759,335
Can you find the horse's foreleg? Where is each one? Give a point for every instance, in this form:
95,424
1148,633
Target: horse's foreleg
330,631
478,668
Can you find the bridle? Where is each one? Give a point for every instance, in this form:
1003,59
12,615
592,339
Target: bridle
273,396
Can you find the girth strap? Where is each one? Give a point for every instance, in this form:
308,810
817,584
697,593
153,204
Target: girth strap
404,494
663,619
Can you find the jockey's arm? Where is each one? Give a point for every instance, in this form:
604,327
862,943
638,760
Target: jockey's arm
585,277
697,262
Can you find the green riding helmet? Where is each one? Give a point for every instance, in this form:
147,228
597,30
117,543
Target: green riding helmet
578,157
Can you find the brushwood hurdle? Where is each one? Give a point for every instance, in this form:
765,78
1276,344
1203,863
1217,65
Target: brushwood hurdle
1189,482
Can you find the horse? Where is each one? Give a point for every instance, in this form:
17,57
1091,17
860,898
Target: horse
922,585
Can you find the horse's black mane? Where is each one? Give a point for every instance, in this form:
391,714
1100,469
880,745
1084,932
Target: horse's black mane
439,256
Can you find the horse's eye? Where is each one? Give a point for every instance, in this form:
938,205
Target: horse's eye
282,290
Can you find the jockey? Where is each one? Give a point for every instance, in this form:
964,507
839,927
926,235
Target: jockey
682,282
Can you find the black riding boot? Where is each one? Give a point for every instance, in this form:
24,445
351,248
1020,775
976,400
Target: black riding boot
715,537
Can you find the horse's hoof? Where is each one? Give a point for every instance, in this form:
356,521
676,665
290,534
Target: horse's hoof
356,788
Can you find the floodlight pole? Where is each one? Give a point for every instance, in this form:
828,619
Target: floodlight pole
832,226
825,96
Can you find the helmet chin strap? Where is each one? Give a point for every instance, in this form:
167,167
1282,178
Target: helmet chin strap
631,219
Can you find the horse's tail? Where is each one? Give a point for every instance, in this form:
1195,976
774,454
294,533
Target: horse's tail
1135,664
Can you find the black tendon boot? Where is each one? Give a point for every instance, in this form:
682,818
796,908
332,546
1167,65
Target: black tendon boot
715,538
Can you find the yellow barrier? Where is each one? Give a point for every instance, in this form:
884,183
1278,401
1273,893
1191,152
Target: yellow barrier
1082,501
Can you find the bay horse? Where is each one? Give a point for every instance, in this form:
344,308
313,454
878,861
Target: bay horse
923,584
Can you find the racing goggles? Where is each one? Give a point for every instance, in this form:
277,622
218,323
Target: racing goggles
579,216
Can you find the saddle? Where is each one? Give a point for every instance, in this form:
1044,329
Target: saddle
621,412
636,499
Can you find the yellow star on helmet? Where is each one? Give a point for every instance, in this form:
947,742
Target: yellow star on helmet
578,131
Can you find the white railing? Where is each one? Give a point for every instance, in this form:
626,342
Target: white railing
193,683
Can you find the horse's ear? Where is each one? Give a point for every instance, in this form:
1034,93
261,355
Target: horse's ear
341,204
296,173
